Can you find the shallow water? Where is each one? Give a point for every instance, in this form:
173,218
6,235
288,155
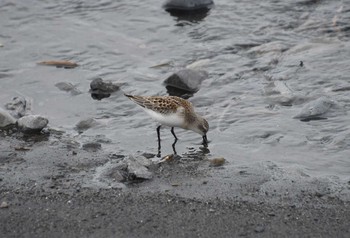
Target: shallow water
245,47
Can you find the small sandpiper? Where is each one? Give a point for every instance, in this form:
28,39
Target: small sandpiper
172,111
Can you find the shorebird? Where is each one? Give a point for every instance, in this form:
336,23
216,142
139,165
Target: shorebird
172,111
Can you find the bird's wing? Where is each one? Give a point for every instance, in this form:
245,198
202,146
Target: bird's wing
164,105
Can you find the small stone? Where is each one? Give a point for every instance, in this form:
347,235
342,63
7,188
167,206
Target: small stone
92,146
138,170
117,173
100,85
143,160
32,123
22,148
259,229
4,205
217,162
148,155
19,106
85,124
68,87
6,119
211,210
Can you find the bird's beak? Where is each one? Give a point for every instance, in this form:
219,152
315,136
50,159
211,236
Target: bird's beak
205,141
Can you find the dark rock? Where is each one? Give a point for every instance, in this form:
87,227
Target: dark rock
186,81
6,119
100,89
18,107
187,5
315,110
99,95
32,123
99,85
92,146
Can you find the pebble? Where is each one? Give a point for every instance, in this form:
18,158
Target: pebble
6,119
92,146
18,107
217,162
4,205
85,124
118,173
32,123
149,155
259,229
68,87
137,169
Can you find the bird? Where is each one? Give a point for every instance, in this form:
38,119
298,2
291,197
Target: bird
172,111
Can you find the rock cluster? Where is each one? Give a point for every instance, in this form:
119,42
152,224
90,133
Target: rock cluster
19,116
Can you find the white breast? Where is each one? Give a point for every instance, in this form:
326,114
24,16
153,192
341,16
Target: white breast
172,120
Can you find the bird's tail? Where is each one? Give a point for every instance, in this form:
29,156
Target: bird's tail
128,95
137,99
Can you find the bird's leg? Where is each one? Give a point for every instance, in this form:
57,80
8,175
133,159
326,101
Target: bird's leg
205,141
173,145
159,146
172,132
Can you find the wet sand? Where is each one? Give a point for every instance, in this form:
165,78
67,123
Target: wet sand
48,189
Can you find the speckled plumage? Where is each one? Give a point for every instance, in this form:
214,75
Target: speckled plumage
167,105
